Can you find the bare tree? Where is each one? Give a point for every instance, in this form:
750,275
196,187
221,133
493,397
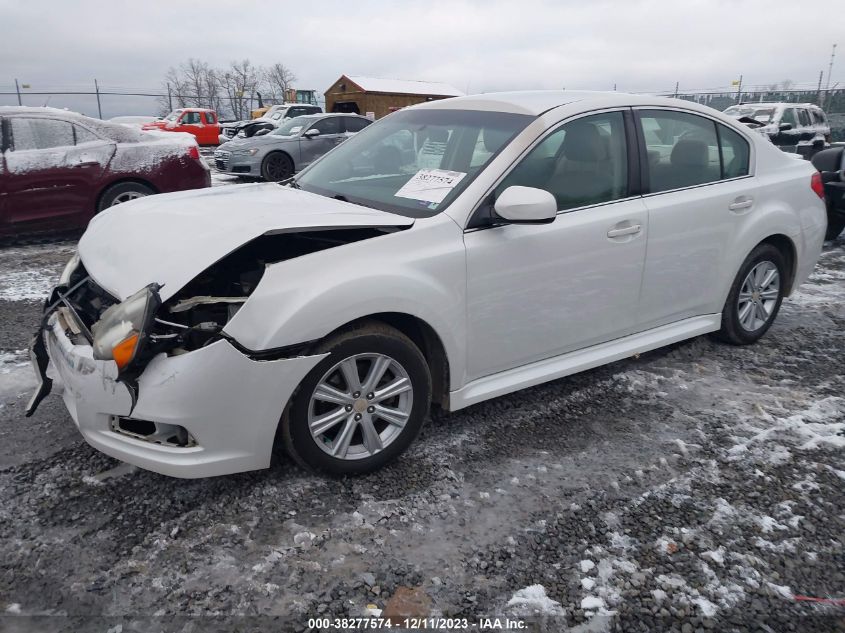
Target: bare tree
239,83
279,79
192,84
228,90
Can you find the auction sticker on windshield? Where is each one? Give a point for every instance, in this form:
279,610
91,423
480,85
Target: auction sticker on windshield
430,185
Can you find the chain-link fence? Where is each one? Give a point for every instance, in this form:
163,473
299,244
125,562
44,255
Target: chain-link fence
104,102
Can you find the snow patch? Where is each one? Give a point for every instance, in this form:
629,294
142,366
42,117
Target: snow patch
533,600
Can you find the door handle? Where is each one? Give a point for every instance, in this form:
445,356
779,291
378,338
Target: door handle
741,203
85,163
625,230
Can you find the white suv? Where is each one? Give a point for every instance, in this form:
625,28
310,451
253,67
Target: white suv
790,126
449,253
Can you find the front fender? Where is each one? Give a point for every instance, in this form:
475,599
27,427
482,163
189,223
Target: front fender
419,272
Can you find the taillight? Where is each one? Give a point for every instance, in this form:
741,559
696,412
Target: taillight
194,152
817,185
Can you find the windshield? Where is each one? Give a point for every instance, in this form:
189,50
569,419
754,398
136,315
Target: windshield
173,115
413,162
293,126
763,115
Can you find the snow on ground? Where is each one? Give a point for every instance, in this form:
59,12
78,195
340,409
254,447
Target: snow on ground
697,486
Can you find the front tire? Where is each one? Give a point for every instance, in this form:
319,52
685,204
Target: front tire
123,192
276,166
755,296
362,405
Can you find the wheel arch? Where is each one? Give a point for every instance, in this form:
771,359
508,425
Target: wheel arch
120,181
425,337
276,151
787,248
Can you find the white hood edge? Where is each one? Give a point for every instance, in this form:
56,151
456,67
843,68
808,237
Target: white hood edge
170,238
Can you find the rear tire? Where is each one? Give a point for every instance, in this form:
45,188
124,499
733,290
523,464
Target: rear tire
360,427
276,166
755,296
123,192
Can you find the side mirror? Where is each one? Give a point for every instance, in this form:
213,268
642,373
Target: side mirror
783,127
262,132
312,133
526,205
818,143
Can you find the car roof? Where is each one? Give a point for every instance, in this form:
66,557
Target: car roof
536,102
774,104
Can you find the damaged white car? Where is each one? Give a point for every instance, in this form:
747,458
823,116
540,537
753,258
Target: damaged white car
452,252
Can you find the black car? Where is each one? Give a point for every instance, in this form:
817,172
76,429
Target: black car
831,164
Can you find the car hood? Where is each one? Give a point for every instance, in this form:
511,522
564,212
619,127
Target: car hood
170,238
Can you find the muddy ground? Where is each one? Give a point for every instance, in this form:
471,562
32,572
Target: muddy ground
699,487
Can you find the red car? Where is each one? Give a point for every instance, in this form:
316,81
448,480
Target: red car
200,122
58,168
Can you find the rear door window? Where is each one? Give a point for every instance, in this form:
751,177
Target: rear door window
682,150
28,134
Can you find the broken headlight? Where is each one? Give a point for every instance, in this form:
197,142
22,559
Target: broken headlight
122,331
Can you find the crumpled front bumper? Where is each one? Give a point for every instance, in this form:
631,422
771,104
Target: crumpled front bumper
229,403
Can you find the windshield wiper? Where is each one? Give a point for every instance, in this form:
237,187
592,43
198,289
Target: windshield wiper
340,197
290,182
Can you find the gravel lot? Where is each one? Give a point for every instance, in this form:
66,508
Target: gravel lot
699,487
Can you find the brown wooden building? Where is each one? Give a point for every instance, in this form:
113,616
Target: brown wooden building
382,96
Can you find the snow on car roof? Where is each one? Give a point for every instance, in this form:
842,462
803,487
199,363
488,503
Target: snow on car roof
402,86
114,131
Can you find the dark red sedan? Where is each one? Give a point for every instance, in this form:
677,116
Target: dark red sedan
58,168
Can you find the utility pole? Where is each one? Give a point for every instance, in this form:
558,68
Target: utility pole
677,83
830,71
819,99
739,90
169,97
97,90
18,89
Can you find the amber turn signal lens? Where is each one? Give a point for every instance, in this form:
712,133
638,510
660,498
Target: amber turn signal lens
124,351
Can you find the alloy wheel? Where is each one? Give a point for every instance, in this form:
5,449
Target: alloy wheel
758,296
360,406
127,196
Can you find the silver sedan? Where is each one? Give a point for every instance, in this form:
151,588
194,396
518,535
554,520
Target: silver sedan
282,152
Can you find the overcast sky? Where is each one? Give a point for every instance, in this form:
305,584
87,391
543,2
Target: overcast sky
477,46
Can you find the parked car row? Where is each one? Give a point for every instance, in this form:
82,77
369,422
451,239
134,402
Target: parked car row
58,169
278,154
274,117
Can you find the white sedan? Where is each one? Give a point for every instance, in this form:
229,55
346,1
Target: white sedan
452,252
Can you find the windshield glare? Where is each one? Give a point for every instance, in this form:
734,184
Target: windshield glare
173,115
413,162
292,127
